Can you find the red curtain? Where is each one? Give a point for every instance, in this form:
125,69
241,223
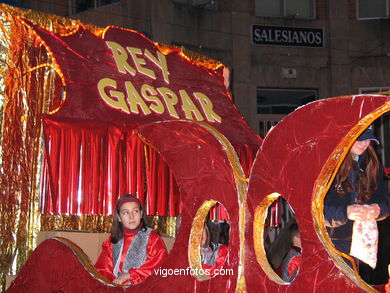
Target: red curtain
87,167
218,213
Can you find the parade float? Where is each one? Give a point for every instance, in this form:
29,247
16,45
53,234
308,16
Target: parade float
92,113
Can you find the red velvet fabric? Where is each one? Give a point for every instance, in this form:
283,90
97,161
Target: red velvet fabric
54,267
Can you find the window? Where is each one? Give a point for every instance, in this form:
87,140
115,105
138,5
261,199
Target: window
371,9
282,101
274,104
375,90
82,5
203,4
285,8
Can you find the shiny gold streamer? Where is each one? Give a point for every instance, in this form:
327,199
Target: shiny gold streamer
25,95
191,56
324,181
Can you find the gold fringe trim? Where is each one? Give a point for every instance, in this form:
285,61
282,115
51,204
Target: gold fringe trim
101,224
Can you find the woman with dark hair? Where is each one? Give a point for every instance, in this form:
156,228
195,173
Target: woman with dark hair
358,192
133,250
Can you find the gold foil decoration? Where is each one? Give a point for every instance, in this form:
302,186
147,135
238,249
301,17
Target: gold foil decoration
193,57
27,90
20,141
95,223
258,238
163,224
101,223
194,245
325,179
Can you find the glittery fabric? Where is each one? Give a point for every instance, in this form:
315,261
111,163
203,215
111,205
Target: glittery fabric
136,254
26,91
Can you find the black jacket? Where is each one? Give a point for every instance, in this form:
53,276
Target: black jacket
335,206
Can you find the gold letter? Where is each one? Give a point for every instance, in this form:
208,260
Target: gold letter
139,62
149,94
207,107
189,107
116,99
161,63
170,100
120,57
135,99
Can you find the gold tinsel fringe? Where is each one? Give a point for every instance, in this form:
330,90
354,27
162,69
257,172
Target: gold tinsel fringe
101,224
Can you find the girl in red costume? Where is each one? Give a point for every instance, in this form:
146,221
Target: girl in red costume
213,255
133,250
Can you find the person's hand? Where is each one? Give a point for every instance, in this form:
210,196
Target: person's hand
373,210
357,212
121,279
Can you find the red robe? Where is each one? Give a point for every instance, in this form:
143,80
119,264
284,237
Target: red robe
219,262
155,250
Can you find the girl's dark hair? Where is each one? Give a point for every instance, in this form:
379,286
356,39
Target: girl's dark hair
117,227
367,179
208,235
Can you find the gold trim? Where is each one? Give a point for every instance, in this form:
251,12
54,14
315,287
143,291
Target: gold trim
195,239
233,158
163,224
258,238
85,261
324,181
242,188
102,224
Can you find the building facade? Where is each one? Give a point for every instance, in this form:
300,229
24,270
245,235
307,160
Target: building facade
282,54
